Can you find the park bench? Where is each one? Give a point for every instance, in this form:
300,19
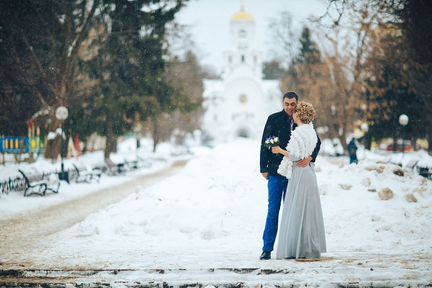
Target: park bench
411,164
138,162
132,164
38,187
425,172
114,168
82,175
144,163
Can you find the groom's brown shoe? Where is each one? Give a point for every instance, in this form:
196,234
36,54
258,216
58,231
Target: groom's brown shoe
265,256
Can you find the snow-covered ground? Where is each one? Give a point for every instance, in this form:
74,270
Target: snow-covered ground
212,215
13,203
421,157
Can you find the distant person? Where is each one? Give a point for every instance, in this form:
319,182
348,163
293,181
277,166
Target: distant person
302,233
352,151
279,125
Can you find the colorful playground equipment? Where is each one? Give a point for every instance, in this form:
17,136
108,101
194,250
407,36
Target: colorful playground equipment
18,146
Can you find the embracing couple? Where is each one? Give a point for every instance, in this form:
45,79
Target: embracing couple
292,180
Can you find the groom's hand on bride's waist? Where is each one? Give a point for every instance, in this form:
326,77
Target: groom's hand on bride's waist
265,175
305,162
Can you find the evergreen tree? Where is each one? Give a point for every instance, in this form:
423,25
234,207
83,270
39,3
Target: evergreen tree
129,67
417,23
106,67
309,53
309,76
40,44
391,91
306,64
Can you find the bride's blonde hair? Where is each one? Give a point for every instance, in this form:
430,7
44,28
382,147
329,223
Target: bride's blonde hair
306,112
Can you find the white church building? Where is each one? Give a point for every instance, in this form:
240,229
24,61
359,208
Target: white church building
238,104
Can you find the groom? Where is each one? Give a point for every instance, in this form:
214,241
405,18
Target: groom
280,125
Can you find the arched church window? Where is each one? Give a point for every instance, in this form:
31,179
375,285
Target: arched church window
243,98
243,58
242,33
230,59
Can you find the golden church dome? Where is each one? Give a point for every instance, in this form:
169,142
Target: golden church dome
242,16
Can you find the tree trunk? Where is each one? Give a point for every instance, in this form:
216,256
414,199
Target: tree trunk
155,134
429,139
84,146
342,139
114,144
54,145
368,142
110,140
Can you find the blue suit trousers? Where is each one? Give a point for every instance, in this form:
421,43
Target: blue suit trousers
277,186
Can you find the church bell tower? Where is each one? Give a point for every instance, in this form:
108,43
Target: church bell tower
242,52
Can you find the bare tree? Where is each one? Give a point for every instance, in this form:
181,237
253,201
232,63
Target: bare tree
284,35
185,76
345,42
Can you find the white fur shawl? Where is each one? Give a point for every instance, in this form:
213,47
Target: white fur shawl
302,143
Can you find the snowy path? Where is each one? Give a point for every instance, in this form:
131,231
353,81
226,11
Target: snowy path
204,225
20,234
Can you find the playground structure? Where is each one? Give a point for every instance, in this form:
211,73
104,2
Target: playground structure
23,148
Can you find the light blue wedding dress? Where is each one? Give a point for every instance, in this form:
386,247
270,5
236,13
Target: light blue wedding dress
301,232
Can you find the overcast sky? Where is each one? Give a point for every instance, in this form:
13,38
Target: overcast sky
208,22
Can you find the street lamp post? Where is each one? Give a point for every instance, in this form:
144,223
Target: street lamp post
62,114
403,121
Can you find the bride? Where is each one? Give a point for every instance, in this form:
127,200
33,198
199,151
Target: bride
301,233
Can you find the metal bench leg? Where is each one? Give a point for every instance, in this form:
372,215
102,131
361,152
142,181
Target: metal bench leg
41,190
54,190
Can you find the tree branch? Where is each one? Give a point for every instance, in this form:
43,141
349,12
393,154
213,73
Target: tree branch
77,42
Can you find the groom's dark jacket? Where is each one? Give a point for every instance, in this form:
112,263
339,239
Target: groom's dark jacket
278,125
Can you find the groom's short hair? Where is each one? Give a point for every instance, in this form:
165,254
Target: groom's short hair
290,95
